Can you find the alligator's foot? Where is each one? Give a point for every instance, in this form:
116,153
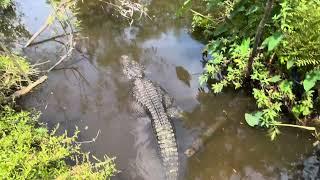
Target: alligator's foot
175,112
172,110
137,109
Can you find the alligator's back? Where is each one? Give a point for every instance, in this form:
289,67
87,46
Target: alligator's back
147,94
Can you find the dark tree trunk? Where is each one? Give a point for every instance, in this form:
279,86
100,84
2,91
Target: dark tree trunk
257,39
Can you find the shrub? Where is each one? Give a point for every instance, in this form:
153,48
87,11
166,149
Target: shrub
285,69
29,151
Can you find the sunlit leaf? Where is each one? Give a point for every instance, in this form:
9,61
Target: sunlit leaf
311,79
275,79
273,41
290,63
253,119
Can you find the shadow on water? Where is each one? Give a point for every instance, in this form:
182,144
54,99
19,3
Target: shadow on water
93,95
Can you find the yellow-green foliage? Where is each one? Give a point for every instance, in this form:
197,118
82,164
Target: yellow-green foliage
300,23
285,72
13,77
29,151
5,3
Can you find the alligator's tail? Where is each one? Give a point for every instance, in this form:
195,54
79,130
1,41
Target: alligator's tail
169,152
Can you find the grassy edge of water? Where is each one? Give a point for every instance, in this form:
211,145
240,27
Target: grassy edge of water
28,150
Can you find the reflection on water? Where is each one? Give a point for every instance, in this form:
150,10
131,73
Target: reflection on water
93,95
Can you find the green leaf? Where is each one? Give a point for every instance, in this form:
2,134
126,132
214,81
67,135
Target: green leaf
273,41
285,86
290,63
210,68
273,133
253,119
275,79
203,79
252,10
311,79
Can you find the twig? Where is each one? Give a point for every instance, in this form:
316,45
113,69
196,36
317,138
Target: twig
61,59
93,139
66,55
39,64
199,14
50,39
295,126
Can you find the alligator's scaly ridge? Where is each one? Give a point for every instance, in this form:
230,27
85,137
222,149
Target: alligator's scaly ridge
146,93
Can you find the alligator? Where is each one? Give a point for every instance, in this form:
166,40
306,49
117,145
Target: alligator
156,102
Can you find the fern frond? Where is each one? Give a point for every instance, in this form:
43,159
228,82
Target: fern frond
308,62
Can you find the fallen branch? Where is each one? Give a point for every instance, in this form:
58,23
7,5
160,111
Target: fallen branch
24,90
47,23
43,27
27,89
50,39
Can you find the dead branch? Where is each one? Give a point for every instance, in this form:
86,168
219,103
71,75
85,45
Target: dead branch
43,27
47,23
69,52
24,90
27,89
50,39
61,59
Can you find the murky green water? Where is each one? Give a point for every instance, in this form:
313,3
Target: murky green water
92,94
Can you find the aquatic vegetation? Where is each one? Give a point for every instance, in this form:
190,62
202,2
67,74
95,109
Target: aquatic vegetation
270,47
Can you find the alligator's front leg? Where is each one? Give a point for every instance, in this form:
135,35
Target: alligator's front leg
137,109
171,108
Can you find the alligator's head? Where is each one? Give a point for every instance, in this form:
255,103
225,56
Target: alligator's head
131,68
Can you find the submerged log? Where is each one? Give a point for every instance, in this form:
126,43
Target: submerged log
204,138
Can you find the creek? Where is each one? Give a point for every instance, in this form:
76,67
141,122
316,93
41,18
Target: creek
91,93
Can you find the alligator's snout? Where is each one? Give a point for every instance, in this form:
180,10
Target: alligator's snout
131,68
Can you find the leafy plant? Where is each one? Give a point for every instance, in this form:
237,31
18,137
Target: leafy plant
30,151
285,65
5,3
15,72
